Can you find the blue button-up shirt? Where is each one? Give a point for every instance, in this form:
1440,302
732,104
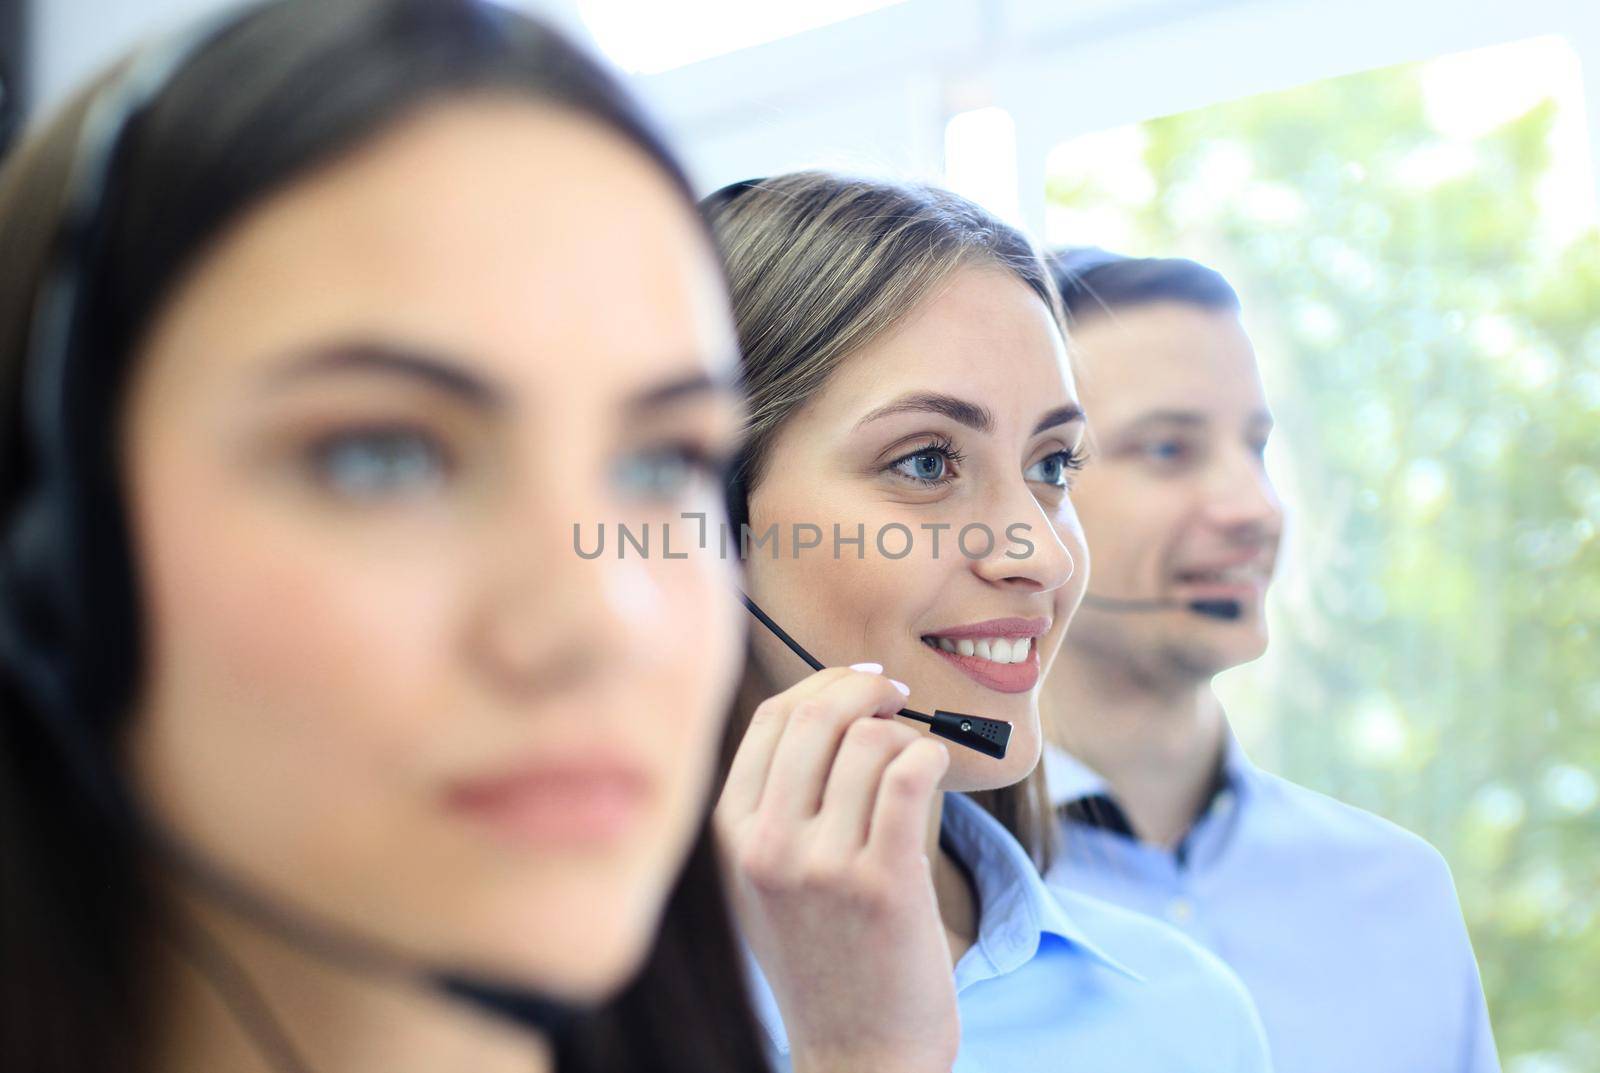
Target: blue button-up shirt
1344,927
1061,982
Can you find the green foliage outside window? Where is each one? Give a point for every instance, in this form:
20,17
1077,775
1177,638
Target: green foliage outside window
1433,359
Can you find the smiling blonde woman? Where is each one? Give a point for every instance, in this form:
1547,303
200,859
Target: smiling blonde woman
906,369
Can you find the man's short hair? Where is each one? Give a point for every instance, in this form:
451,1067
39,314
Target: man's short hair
1092,280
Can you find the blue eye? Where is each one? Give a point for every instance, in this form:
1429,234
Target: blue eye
1166,450
379,463
664,473
928,465
923,466
1053,469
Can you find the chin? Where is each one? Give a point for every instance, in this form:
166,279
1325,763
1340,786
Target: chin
970,770
1207,660
574,932
600,966
586,962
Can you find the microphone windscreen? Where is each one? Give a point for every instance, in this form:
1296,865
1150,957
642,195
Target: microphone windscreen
1224,609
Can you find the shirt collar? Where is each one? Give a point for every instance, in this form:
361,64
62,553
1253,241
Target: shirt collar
1070,779
1015,907
1015,911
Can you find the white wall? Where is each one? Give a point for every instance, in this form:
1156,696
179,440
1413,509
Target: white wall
880,88
874,93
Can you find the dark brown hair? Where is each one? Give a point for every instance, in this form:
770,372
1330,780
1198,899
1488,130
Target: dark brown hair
1093,282
283,87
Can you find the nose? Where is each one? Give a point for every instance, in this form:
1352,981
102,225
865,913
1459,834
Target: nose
546,618
1028,551
1241,498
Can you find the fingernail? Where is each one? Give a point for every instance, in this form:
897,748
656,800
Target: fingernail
904,689
870,668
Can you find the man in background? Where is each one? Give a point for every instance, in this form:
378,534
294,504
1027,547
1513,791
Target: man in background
1345,928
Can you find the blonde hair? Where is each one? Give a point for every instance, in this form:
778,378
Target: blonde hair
821,265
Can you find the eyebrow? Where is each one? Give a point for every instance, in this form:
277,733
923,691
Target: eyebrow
970,414
1061,415
442,373
686,388
437,372
1189,419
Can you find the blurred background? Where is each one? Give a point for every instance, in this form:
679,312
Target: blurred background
1404,192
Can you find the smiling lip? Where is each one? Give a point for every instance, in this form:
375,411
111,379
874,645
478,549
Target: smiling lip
1244,579
580,803
1000,677
1239,590
996,627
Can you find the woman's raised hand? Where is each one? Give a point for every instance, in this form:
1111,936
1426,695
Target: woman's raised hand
824,821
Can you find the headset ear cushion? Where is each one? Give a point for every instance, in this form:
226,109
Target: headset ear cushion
35,645
13,647
31,611
736,496
34,547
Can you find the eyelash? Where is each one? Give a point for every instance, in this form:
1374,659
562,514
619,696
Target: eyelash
321,456
1072,460
711,465
942,446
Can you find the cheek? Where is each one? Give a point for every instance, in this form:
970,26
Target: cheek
293,688
1126,526
688,666
844,602
842,610
835,605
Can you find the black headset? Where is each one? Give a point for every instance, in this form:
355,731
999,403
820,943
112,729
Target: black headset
60,561
47,572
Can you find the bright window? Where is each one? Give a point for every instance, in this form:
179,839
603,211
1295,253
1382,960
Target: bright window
650,37
1417,253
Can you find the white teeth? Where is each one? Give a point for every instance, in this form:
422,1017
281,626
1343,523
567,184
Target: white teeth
1229,575
993,649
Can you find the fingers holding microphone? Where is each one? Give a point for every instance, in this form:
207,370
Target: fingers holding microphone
825,819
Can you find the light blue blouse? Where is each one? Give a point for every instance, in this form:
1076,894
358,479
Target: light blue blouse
1062,982
1345,927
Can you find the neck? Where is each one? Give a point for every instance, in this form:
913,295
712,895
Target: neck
1157,743
952,888
333,1018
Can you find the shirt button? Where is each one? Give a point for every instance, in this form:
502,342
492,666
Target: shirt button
1180,910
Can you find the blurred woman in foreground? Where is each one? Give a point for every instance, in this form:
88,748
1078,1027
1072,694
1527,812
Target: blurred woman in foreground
321,749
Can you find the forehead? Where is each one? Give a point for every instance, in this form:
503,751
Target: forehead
494,227
982,335
1168,356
